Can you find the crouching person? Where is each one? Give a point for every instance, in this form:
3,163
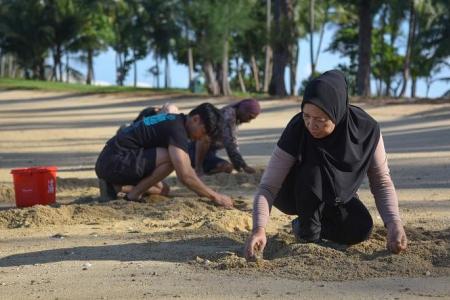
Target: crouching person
140,156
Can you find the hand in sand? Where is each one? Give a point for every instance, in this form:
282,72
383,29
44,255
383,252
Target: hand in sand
223,200
256,243
396,238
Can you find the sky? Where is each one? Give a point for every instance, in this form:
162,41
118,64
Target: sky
104,70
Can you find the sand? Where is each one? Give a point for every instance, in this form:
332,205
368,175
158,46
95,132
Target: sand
183,245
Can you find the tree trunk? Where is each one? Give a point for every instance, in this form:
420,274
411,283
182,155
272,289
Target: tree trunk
411,33
387,92
35,72
379,86
59,55
191,67
135,72
364,45
294,53
210,78
157,73
11,66
277,85
385,79
53,77
268,62
119,70
41,68
90,70
322,31
239,73
224,83
293,50
67,68
311,37
255,71
57,64
413,87
166,72
218,72
2,64
428,82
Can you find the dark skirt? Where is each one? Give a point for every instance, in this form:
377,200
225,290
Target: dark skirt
343,223
123,166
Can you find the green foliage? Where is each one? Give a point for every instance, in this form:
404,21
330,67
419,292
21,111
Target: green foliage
345,42
130,19
253,38
250,43
305,82
432,43
160,26
66,22
96,30
26,34
30,30
387,63
213,22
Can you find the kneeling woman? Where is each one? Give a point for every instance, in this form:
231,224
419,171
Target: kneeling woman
317,167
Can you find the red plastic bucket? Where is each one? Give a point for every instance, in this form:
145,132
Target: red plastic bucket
35,185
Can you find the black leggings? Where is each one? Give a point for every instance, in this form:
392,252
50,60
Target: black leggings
348,223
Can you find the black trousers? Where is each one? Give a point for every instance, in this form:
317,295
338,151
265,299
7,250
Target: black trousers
346,223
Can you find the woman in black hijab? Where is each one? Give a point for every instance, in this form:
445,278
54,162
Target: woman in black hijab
317,167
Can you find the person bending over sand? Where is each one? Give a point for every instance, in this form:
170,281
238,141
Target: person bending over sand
317,167
203,153
107,192
148,150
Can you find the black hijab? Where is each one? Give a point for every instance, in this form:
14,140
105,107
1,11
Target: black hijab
333,167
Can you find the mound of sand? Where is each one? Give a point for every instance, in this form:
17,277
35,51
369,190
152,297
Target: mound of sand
6,193
156,211
39,215
426,256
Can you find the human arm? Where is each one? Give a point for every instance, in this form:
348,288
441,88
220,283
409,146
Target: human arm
169,108
279,166
181,163
229,140
201,148
386,200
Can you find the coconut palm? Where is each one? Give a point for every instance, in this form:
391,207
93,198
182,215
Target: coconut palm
26,34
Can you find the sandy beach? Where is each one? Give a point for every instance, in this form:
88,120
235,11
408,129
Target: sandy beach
183,246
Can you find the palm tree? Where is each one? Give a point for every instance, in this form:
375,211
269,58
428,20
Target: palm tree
427,59
66,22
365,47
283,37
411,35
268,48
26,34
161,31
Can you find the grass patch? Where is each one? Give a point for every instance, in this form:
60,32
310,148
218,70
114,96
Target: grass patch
23,84
254,95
